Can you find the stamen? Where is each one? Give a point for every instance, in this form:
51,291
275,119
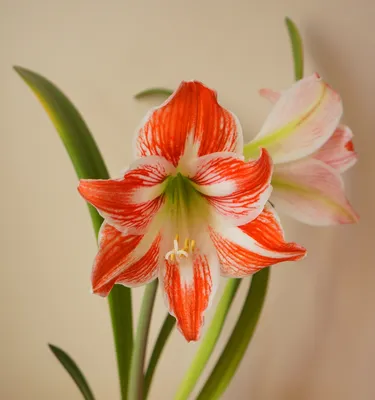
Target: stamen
189,246
192,245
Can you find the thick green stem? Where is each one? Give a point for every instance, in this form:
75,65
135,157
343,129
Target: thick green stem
120,303
165,331
235,349
209,341
136,383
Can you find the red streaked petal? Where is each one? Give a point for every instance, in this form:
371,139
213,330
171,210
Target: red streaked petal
246,249
338,151
188,285
301,121
132,201
312,192
192,110
238,190
125,259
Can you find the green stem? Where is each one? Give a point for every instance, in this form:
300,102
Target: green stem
120,302
165,331
236,346
136,382
209,341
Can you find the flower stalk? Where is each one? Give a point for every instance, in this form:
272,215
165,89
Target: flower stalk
136,381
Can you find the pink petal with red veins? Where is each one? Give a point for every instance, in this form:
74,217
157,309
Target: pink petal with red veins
130,203
338,151
238,190
312,192
188,285
246,249
191,115
301,121
124,259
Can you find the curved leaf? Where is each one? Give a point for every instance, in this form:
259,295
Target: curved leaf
297,48
73,370
88,163
153,92
242,333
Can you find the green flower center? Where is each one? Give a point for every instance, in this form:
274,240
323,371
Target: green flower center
186,211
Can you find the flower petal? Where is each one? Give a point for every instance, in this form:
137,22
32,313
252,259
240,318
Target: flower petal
301,121
192,111
338,151
129,203
311,192
238,190
189,285
246,249
130,260
270,95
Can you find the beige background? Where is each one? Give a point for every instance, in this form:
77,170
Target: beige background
316,336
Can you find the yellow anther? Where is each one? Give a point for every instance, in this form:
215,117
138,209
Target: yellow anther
177,237
186,245
192,245
173,257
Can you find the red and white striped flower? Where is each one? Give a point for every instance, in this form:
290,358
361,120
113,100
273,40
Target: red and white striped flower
189,208
310,149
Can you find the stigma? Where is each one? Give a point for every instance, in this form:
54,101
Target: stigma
177,253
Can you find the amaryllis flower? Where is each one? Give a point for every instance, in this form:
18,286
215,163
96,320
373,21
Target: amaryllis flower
188,209
310,150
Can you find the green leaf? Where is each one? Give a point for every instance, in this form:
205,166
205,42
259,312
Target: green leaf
297,48
208,343
153,92
88,163
165,331
72,129
236,346
73,370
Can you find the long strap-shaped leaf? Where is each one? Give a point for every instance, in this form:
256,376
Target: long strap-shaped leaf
297,48
243,331
88,163
72,368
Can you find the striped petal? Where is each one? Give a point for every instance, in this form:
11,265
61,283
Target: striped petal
130,260
189,285
312,192
301,121
338,151
238,190
130,203
246,249
192,116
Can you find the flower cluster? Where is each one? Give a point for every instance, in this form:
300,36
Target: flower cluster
195,204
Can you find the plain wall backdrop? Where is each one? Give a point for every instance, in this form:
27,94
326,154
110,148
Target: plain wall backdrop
315,340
